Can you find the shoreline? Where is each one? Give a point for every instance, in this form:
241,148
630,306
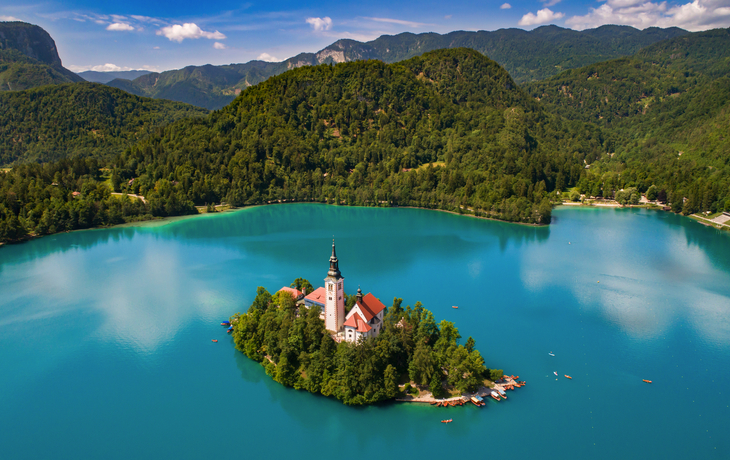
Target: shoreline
482,392
464,215
160,222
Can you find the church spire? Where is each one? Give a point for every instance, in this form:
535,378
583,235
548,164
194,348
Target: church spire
334,264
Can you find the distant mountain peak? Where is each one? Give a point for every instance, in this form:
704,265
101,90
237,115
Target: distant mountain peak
526,55
29,58
31,40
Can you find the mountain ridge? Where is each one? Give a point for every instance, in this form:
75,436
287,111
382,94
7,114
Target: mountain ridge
213,87
105,77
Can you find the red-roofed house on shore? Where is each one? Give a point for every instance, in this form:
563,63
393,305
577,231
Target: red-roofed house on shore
363,321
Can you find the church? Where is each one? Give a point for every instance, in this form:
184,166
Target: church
364,320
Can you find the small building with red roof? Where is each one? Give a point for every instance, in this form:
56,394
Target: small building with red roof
315,299
365,319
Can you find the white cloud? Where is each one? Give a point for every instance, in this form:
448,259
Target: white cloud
448,16
8,18
399,22
155,47
145,19
319,24
219,46
190,30
543,16
119,26
694,16
505,6
267,57
550,2
108,67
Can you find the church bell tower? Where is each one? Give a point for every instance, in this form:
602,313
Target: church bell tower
334,285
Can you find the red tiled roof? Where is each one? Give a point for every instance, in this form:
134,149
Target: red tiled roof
362,326
372,305
294,292
358,322
317,296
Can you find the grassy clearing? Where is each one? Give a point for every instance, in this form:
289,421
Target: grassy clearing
119,197
218,208
434,164
5,169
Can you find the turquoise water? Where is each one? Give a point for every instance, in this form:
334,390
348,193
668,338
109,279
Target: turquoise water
106,352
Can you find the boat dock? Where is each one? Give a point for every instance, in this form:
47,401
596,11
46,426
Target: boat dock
500,388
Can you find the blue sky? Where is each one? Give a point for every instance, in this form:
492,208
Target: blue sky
163,35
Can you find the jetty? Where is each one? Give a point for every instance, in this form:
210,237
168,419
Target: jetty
508,382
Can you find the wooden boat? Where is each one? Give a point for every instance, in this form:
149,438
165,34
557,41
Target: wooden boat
647,381
568,377
447,421
454,306
495,395
214,340
434,403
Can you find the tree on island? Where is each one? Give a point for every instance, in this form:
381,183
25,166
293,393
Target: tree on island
302,284
262,300
297,351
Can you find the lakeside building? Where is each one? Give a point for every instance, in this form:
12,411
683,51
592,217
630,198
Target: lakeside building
364,320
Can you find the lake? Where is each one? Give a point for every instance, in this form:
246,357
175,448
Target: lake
106,352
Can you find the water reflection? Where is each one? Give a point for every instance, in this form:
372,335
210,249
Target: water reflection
644,277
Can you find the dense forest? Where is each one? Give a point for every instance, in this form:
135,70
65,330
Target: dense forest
72,194
297,351
82,119
667,111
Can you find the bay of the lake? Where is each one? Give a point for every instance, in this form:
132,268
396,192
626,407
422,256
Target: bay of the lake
106,351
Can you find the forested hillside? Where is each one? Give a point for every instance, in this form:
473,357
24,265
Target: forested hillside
28,58
527,56
365,133
667,111
449,130
86,119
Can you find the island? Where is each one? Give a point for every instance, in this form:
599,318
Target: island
355,349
